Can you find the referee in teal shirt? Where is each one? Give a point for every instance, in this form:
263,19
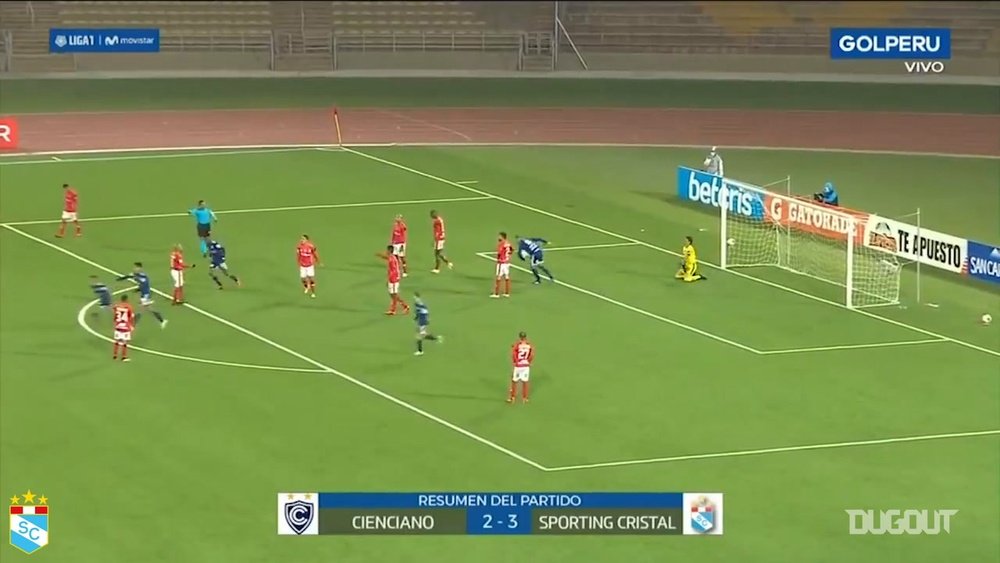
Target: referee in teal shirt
204,216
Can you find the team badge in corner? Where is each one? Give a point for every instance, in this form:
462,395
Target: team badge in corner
703,514
298,514
29,521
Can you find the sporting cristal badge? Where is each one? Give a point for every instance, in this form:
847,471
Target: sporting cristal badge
703,512
29,522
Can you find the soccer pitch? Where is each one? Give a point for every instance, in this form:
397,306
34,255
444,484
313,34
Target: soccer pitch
754,383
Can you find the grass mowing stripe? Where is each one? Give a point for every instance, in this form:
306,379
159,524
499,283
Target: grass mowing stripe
620,236
642,312
327,369
260,210
785,449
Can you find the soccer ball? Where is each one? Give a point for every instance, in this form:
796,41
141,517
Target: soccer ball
731,242
987,319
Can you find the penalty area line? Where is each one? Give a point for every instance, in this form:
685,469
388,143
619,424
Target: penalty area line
783,449
854,346
634,309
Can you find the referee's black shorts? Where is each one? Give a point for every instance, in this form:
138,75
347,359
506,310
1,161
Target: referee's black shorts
204,230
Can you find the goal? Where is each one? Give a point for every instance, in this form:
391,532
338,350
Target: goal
811,240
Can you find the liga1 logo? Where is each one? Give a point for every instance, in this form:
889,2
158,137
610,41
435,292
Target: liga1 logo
703,514
29,521
8,133
298,514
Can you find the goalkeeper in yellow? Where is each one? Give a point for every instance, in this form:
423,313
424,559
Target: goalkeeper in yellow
689,266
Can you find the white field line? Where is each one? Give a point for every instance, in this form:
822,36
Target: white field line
207,152
468,182
854,346
642,312
785,449
260,210
426,123
81,319
325,368
622,237
590,246
335,147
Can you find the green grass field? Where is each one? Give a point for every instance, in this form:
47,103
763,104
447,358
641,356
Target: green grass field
177,455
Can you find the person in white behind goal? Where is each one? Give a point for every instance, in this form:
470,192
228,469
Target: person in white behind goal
713,163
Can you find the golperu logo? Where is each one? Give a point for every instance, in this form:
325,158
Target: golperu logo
716,191
890,43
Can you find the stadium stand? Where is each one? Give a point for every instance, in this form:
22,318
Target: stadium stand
799,28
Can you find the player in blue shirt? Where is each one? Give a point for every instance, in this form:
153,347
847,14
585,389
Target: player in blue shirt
217,256
422,315
103,294
204,216
828,195
145,291
532,248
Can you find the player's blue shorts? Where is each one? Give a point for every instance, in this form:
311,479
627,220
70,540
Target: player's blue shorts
219,266
536,259
146,299
422,328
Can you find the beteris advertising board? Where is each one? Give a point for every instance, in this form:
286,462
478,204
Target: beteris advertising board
707,189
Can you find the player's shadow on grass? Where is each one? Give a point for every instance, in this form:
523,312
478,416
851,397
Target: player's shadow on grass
456,396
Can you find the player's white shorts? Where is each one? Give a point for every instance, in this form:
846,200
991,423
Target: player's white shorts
393,288
123,335
522,374
399,249
503,270
307,271
145,300
178,277
439,244
69,215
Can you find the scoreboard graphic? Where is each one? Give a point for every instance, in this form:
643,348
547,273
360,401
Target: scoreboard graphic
666,514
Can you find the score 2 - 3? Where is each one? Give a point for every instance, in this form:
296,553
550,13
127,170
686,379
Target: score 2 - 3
498,521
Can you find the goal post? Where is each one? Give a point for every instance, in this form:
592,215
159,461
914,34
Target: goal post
798,235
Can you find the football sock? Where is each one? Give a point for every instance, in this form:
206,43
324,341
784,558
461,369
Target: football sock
437,262
305,283
524,390
513,390
124,350
216,280
496,287
114,356
420,345
62,229
79,229
204,247
402,263
547,272
508,286
538,278
158,316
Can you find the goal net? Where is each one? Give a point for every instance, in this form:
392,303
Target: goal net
811,240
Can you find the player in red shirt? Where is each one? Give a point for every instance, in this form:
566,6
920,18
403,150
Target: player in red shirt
398,241
177,267
504,251
521,355
71,200
308,257
395,272
438,224
124,322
